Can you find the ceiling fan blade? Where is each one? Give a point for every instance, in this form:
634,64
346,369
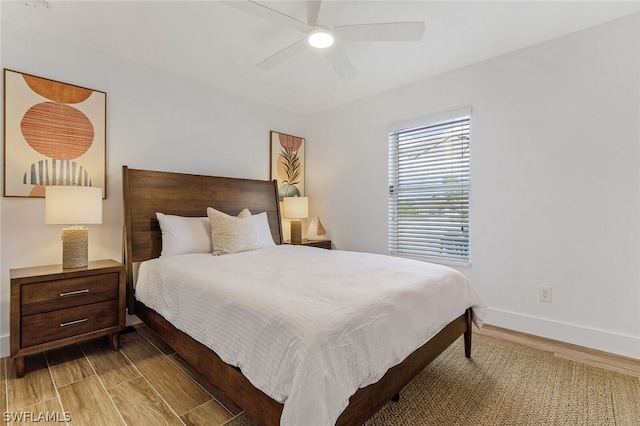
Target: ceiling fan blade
329,12
265,12
341,63
390,31
313,9
283,55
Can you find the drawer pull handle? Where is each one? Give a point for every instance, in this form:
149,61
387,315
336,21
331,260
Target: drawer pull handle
71,293
80,321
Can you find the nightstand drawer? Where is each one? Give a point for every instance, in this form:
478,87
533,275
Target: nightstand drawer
66,293
63,323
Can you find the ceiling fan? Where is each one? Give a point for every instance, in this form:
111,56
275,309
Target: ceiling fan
321,33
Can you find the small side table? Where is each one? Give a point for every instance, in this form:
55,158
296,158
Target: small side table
53,307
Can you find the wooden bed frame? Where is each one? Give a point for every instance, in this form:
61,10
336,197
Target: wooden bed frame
147,192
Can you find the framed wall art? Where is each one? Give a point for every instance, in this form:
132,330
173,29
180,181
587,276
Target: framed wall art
54,134
287,164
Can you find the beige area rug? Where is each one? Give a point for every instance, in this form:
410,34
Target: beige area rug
508,384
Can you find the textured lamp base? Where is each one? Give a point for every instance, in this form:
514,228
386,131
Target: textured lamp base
75,247
296,231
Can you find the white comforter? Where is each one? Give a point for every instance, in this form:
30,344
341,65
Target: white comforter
307,326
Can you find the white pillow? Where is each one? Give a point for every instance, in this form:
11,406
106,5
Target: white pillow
263,232
232,234
182,235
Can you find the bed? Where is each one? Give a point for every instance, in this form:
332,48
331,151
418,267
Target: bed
147,192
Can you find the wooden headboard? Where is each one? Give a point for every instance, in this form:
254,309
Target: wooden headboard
146,192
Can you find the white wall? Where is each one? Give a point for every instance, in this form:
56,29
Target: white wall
154,120
555,163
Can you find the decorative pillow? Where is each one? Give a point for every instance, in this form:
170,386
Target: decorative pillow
232,234
182,235
263,232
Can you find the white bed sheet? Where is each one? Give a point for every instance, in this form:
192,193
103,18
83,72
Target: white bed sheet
307,326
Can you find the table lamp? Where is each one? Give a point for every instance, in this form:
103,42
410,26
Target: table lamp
73,206
296,208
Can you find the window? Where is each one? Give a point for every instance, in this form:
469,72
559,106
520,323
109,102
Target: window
429,188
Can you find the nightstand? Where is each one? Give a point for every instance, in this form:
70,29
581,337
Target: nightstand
325,244
53,307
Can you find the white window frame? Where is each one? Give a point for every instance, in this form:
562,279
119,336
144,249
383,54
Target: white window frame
441,191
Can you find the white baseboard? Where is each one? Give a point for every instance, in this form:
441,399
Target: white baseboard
133,320
606,341
4,346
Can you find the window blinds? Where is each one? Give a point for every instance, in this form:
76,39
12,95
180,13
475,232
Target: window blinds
429,189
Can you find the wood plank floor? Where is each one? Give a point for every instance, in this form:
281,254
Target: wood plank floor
145,383
148,383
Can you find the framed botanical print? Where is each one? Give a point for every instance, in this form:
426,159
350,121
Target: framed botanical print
287,164
54,134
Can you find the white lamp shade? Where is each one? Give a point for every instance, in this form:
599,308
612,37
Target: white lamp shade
73,205
296,207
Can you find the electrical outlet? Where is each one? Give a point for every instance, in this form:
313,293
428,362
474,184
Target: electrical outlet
545,294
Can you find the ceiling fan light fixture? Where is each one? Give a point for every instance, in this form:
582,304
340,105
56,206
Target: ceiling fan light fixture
320,38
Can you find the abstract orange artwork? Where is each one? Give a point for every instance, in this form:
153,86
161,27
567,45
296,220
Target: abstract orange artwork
54,134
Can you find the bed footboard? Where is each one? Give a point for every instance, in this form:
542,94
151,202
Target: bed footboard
368,400
266,411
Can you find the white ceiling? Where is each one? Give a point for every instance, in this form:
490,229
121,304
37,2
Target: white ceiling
219,45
